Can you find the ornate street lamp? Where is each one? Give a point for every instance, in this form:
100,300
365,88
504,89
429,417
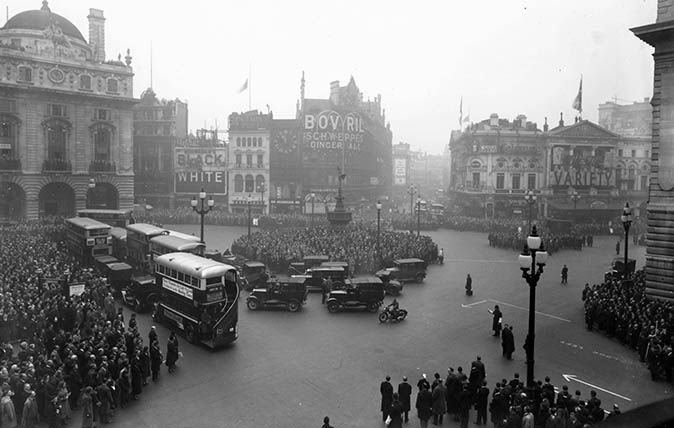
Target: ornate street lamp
530,197
575,197
412,191
91,186
313,199
419,216
626,218
532,260
378,232
250,200
203,210
262,188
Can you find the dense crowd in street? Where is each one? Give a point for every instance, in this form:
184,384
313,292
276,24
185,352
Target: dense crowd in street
511,404
355,244
622,310
72,351
552,242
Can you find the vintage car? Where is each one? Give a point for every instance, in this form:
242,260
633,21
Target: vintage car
289,293
299,268
344,265
362,293
316,275
254,274
405,270
119,275
617,268
142,293
392,287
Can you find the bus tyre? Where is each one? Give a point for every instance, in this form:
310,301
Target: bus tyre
333,307
293,306
372,307
252,304
190,334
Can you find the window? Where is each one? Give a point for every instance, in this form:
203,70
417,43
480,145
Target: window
56,142
113,85
620,153
102,139
25,74
500,180
248,142
647,154
102,114
7,137
85,82
531,181
250,183
254,142
476,180
238,143
643,182
238,183
249,160
238,160
634,153
259,142
516,182
59,110
260,160
7,105
259,183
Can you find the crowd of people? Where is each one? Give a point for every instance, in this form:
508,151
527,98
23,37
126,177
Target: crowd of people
511,403
552,242
355,244
621,310
60,352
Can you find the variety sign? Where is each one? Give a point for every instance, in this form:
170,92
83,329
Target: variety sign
200,167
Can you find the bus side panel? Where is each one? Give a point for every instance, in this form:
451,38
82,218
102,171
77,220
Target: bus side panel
226,329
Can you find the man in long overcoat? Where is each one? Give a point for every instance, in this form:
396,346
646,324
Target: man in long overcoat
424,405
386,390
508,342
496,321
439,402
405,393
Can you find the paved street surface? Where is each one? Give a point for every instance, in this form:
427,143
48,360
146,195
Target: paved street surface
290,370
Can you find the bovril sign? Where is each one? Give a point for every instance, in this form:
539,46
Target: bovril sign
197,168
329,130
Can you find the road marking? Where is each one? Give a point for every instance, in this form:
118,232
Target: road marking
572,345
526,309
570,377
472,304
480,261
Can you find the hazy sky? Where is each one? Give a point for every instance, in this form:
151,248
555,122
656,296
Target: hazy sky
503,56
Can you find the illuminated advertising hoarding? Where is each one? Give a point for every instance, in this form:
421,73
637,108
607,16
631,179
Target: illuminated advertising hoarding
201,167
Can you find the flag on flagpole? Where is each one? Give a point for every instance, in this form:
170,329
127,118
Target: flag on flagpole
578,102
244,86
461,113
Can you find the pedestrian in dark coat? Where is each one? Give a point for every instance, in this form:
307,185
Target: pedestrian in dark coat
30,417
423,381
424,405
496,320
104,396
386,390
617,248
465,402
481,401
87,406
405,394
156,359
396,412
439,402
172,352
152,335
453,384
469,286
508,342
145,364
136,378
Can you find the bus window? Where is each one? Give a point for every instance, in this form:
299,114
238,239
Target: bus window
195,282
181,277
214,280
173,273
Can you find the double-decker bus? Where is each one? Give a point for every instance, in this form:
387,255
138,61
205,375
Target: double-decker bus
115,218
198,296
164,244
88,238
138,236
185,236
118,235
437,211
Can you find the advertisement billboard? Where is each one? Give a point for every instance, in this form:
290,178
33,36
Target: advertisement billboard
329,135
400,171
201,167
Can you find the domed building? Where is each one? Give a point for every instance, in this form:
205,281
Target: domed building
66,118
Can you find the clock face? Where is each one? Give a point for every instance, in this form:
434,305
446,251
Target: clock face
56,75
285,142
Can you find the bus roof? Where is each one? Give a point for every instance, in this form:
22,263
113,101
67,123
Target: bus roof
184,236
83,213
87,223
176,244
146,229
118,232
193,265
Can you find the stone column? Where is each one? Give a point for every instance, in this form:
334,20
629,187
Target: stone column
660,210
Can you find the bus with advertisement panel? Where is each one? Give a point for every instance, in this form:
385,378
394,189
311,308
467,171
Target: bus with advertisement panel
138,236
88,238
115,218
198,296
164,244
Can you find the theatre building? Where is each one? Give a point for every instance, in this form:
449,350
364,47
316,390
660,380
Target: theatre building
65,118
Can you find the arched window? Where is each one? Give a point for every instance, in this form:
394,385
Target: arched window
248,142
85,82
56,141
250,183
102,137
238,183
259,183
25,74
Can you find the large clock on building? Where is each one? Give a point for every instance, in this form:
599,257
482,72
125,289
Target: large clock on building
285,142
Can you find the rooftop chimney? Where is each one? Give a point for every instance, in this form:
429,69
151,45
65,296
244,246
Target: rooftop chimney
493,119
522,119
334,92
97,34
561,119
545,125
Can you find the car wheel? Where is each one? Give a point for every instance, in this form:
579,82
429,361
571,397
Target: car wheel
190,334
419,278
383,317
253,305
333,307
372,307
293,306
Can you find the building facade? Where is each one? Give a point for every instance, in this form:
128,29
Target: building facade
628,120
248,163
65,118
158,126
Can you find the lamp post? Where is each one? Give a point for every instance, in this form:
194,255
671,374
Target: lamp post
313,199
91,186
532,260
626,218
250,200
412,190
575,197
419,216
203,210
378,232
530,197
262,188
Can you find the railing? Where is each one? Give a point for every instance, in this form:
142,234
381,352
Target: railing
10,164
102,166
57,165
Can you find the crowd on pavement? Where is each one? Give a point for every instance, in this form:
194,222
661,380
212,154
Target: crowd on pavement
510,404
552,242
62,352
355,244
621,310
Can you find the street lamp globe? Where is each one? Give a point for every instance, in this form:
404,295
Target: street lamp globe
202,194
92,183
211,202
193,202
533,240
525,259
626,217
378,205
541,257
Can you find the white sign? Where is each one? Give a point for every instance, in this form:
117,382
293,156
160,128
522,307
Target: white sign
400,171
176,288
76,289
